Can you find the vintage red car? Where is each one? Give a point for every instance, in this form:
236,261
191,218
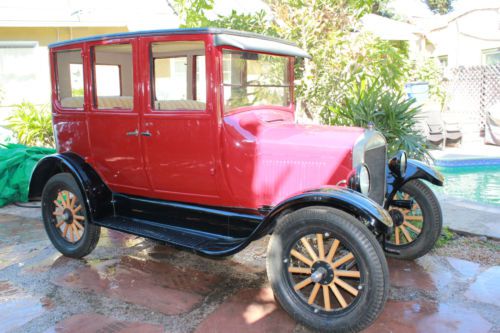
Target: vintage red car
188,136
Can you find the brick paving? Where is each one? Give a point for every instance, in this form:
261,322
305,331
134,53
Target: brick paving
129,284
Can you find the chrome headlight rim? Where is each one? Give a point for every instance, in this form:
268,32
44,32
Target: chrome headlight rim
360,179
399,163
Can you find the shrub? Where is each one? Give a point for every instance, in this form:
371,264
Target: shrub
31,125
390,111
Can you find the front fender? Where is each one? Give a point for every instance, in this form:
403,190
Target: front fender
414,170
352,202
97,195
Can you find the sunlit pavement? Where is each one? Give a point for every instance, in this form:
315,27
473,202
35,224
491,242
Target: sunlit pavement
129,284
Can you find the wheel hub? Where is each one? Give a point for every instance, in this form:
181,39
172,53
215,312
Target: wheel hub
67,216
397,217
322,272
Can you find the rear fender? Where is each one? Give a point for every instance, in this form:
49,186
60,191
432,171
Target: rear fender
97,194
354,203
414,170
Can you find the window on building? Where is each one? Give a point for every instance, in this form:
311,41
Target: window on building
443,60
178,76
491,57
113,77
70,78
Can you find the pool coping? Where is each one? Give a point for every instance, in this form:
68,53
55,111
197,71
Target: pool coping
489,214
467,162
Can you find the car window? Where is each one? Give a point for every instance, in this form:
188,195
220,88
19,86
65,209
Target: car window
178,76
254,79
113,77
69,78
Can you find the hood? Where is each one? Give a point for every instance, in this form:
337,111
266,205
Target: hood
283,158
272,130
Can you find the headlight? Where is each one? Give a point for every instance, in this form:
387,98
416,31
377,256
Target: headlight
364,180
359,179
398,164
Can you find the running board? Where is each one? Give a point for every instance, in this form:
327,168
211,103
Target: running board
198,241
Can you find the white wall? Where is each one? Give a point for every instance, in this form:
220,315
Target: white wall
464,39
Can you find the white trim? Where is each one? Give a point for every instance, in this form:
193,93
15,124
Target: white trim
18,44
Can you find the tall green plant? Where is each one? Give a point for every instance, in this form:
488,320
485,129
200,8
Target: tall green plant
394,115
31,125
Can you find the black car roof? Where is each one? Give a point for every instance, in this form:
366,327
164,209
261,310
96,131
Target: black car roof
183,31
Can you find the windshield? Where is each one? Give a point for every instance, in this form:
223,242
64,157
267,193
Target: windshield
252,79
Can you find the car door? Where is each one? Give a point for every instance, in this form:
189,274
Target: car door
114,116
178,127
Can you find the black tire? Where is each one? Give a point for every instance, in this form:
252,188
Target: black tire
80,241
431,225
370,261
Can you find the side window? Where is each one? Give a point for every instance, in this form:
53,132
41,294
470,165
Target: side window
69,79
113,77
178,76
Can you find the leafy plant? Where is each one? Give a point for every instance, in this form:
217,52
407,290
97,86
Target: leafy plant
192,12
446,236
31,125
336,86
368,101
440,6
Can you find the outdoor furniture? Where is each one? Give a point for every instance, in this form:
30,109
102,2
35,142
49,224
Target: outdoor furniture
442,130
492,127
436,135
433,124
453,133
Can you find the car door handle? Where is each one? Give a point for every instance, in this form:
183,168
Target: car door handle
147,133
134,133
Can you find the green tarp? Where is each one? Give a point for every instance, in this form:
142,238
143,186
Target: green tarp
16,165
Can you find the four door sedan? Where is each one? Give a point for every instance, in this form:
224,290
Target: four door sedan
189,137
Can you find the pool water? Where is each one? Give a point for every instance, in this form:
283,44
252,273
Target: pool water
476,183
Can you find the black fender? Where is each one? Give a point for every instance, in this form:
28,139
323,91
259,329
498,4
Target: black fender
414,170
363,208
97,194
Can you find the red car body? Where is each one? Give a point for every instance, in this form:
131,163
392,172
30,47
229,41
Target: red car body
251,157
189,137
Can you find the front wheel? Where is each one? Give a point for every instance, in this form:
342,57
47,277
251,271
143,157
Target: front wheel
327,270
417,229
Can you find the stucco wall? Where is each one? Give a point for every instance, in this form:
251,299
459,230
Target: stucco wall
465,38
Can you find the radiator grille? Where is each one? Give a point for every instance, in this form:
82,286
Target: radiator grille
375,160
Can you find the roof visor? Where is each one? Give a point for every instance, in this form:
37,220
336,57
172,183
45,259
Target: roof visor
259,45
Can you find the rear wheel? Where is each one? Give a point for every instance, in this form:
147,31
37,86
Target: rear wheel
417,229
66,219
327,270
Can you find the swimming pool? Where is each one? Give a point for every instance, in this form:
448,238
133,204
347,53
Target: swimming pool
476,183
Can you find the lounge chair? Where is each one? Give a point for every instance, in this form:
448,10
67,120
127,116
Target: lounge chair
492,127
436,135
433,124
453,133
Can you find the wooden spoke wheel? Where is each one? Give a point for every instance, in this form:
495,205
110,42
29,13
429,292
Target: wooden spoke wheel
67,218
324,272
327,270
407,222
417,228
